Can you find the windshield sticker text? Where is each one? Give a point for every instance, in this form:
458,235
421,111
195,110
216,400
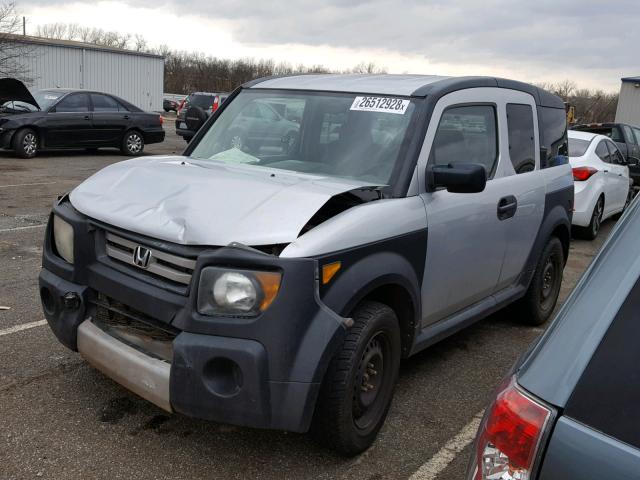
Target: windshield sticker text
380,104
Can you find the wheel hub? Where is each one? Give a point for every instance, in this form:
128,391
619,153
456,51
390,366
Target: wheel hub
134,143
29,143
548,278
369,379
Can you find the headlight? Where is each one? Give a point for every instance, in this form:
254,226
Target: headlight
63,237
224,291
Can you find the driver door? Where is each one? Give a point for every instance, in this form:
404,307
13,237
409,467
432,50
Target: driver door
466,238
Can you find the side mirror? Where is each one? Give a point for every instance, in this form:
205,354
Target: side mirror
458,178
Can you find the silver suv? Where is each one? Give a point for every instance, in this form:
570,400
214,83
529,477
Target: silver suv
276,278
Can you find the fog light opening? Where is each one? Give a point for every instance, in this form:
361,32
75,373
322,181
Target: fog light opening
223,377
48,301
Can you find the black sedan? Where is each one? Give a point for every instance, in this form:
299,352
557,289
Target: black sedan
70,119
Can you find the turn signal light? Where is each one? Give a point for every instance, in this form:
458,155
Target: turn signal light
510,436
581,174
329,270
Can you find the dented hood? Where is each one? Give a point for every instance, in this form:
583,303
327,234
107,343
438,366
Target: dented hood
206,203
14,90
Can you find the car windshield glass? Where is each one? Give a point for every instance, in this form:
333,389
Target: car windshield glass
578,147
46,98
341,135
15,106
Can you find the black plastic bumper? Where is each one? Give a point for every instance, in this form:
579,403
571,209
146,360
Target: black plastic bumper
154,136
261,372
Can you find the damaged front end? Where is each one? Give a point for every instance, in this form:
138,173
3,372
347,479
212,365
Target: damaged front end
144,328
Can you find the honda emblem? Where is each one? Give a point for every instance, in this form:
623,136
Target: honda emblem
141,257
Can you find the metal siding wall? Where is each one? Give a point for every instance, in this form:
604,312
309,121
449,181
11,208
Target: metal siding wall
628,110
136,78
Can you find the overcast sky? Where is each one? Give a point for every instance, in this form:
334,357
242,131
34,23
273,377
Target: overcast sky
593,43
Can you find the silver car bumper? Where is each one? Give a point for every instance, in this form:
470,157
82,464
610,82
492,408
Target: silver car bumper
146,376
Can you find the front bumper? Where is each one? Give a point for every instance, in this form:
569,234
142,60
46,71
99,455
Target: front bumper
261,372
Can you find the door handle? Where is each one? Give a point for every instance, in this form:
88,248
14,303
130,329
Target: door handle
87,117
126,117
507,207
606,171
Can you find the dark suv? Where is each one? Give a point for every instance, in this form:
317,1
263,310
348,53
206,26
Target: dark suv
626,137
569,410
194,111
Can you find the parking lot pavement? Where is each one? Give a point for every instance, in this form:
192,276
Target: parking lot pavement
60,418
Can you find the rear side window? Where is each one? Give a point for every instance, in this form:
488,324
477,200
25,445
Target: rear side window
602,152
636,132
578,147
553,135
467,134
103,103
521,137
629,134
606,397
614,154
77,102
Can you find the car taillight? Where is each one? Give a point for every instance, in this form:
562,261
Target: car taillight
181,106
216,103
161,119
510,436
581,174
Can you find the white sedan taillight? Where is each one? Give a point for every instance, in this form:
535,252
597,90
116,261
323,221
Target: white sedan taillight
510,436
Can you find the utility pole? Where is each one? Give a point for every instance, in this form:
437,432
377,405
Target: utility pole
24,26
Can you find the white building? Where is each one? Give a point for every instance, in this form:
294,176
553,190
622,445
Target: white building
134,76
629,101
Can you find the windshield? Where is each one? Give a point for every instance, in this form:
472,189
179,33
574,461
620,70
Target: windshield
578,147
341,135
46,98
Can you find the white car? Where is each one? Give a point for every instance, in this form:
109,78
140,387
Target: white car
601,181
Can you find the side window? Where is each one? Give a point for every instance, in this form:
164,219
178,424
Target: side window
602,152
103,103
76,102
467,134
552,123
636,132
616,135
629,134
521,137
614,154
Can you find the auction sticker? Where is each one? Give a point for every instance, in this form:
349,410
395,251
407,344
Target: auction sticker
380,104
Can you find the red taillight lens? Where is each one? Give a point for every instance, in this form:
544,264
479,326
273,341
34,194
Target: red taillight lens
181,105
216,104
161,119
581,174
510,435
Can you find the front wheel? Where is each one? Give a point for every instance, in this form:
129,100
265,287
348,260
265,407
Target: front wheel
358,387
25,143
132,143
536,306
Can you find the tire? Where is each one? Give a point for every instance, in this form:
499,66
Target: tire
358,386
25,143
132,143
536,306
590,232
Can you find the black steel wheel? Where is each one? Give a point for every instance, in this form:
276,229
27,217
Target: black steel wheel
358,387
537,305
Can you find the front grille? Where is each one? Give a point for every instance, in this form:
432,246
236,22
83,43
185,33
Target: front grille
134,328
162,264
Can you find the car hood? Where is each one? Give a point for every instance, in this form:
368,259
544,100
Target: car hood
191,202
14,90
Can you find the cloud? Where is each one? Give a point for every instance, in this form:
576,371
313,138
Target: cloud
558,39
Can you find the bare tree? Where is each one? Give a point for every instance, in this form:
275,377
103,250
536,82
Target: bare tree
370,68
11,51
591,106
